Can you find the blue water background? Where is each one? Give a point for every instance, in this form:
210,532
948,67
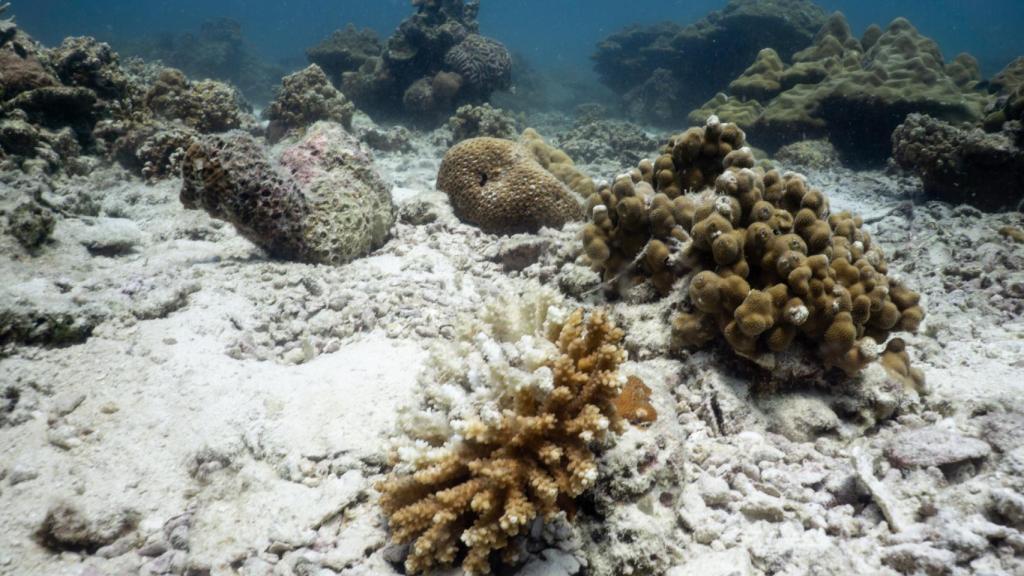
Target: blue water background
552,34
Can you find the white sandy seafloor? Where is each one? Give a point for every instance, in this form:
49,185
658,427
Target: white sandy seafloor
228,413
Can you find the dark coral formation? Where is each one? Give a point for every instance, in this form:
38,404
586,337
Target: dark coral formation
305,98
531,463
63,110
959,164
206,106
434,62
320,201
218,51
345,50
766,261
853,92
485,65
663,71
499,186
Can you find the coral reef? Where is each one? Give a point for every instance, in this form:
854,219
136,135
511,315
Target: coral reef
217,51
527,461
765,258
87,63
345,50
207,106
962,164
609,141
500,187
305,98
471,121
855,95
434,62
485,65
668,63
321,202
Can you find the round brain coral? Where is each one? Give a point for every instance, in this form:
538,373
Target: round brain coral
497,186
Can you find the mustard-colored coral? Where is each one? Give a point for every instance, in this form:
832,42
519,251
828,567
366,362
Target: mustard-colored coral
557,162
499,186
770,262
530,463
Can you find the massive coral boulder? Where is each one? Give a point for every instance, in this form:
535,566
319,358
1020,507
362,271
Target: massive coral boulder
702,58
499,186
306,97
319,200
852,92
485,65
766,263
962,165
435,61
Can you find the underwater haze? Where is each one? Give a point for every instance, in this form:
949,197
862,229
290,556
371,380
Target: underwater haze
550,33
511,287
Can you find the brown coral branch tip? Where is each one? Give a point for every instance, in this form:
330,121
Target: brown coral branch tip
531,463
767,261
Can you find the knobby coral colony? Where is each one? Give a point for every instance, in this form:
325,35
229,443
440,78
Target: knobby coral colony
770,261
531,463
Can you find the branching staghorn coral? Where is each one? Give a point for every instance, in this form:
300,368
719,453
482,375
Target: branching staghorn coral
529,462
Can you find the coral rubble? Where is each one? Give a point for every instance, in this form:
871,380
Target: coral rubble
500,186
322,201
528,460
766,260
662,70
854,92
471,121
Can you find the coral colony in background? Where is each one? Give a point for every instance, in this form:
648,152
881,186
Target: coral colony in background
638,350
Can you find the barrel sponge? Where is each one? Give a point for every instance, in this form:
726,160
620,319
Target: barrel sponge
497,185
321,201
350,212
231,178
764,261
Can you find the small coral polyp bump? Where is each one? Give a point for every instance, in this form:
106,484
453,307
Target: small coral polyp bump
769,261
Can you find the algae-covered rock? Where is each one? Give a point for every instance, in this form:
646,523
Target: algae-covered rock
304,98
962,165
855,95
